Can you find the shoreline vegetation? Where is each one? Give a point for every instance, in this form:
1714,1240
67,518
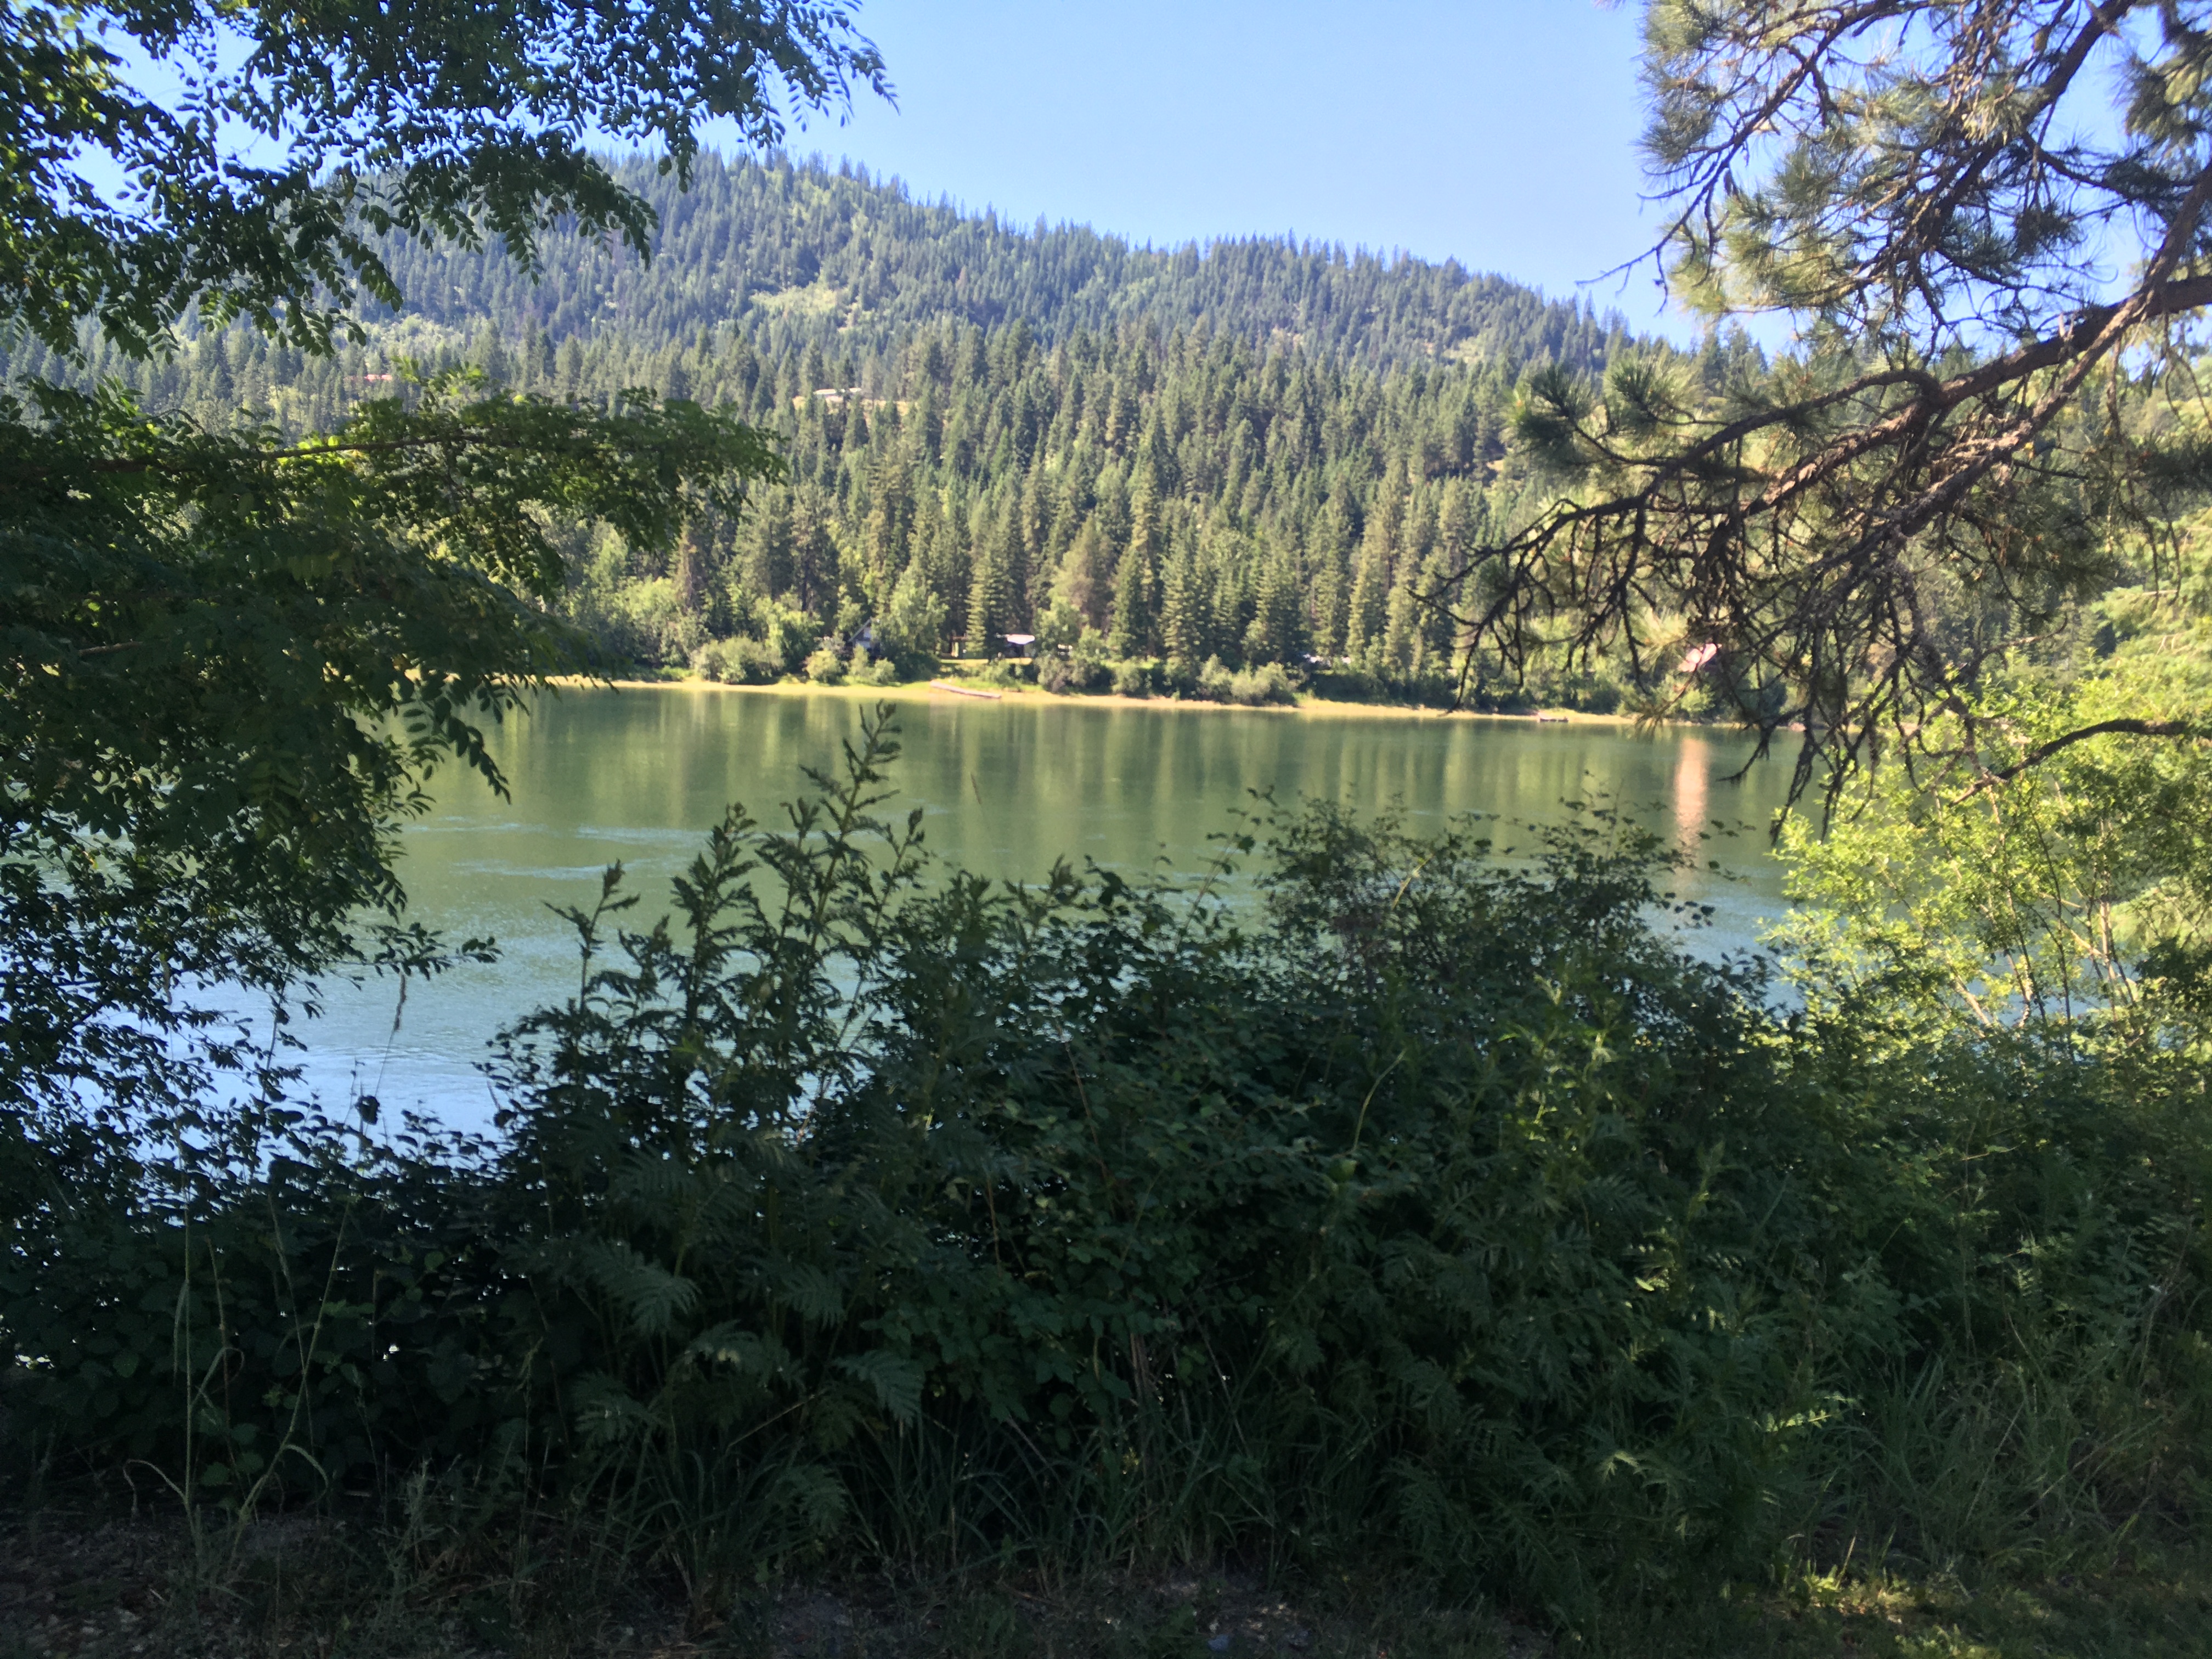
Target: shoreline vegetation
1030,695
905,1267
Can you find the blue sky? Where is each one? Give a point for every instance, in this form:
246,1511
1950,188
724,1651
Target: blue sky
1501,133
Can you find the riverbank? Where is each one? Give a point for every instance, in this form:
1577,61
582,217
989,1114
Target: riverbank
1030,697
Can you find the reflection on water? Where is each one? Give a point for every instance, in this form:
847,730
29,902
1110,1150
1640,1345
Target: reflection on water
638,776
1694,770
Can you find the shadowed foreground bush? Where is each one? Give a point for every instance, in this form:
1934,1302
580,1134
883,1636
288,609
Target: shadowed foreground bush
1430,1216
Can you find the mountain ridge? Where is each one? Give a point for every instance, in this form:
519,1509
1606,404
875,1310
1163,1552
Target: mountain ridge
801,253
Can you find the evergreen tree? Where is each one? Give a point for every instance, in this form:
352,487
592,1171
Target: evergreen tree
993,604
813,553
1939,220
1400,644
1277,632
1137,580
1132,606
1182,609
1329,562
1371,582
1086,577
886,541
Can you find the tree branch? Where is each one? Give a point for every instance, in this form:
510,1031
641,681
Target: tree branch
2126,727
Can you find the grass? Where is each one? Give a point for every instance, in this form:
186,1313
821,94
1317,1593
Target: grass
91,1583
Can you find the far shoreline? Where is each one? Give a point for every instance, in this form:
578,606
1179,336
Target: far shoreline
1031,698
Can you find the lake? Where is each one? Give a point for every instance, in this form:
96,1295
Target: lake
638,774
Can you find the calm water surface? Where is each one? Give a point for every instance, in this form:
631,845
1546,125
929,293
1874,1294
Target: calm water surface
638,776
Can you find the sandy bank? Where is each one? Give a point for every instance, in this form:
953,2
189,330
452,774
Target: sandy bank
1026,696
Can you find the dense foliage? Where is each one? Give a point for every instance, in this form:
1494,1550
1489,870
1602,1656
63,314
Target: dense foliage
230,654
233,664
1430,1216
800,254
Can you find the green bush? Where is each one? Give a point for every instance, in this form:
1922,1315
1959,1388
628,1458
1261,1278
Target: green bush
738,662
1251,687
826,667
868,670
1136,679
1081,669
1428,1214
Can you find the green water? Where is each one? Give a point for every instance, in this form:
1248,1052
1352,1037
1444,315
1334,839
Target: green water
639,774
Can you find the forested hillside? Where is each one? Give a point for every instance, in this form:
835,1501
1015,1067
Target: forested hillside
1136,496
800,254
1254,453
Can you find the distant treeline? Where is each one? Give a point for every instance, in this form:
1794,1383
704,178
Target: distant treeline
1258,452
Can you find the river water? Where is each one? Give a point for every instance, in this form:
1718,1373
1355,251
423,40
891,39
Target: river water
639,774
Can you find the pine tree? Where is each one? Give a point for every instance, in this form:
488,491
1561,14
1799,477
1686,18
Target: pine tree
885,542
1277,632
1330,575
1130,636
1136,581
1085,579
992,610
813,553
1182,611
768,565
1369,614
1400,630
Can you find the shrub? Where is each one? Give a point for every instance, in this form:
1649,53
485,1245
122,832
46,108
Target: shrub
1136,679
1252,687
868,670
738,662
1080,668
825,666
1092,669
1267,684
1213,683
1343,684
